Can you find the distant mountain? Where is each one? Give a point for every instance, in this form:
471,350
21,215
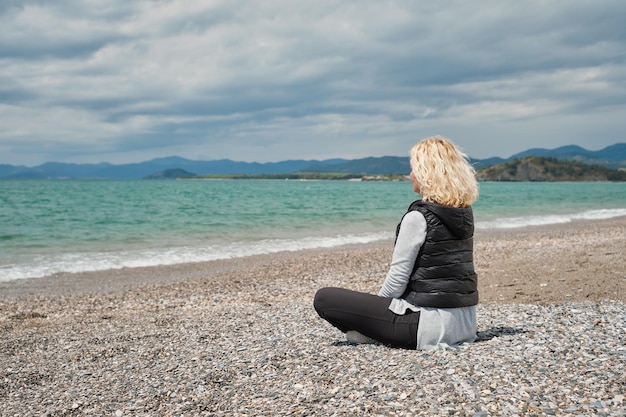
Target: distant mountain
144,169
387,165
484,163
538,168
170,174
615,152
613,156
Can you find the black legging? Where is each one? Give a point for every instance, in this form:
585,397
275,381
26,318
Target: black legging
369,315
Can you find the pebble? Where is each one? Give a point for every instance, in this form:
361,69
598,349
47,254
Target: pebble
245,361
256,347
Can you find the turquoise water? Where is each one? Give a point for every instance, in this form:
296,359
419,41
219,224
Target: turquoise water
54,226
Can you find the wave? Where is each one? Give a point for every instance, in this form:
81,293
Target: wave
46,265
49,265
541,220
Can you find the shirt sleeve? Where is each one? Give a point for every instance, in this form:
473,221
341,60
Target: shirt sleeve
410,239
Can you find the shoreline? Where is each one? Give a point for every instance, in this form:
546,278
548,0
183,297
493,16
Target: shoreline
505,259
241,337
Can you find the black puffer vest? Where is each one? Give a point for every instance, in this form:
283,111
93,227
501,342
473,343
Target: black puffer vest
443,275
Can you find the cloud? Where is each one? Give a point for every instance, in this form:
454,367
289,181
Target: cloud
271,80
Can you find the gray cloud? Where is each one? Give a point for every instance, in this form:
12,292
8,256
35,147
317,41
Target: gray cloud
263,81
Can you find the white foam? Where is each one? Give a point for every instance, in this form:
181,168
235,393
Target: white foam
48,265
540,220
88,262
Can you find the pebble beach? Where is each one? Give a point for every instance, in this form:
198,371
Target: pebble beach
240,337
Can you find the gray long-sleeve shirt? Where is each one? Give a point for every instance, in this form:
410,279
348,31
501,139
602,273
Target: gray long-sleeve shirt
438,327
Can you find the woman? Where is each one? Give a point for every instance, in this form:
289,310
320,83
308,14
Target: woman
428,299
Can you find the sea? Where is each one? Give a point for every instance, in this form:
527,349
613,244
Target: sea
53,226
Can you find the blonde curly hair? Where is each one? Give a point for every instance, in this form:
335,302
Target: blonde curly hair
443,172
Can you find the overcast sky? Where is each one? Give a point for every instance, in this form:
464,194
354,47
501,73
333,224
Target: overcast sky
126,81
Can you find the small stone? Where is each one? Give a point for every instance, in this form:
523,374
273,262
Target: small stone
235,358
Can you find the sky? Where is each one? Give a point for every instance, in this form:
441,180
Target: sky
118,81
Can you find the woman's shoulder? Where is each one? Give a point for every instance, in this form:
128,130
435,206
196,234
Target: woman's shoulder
414,219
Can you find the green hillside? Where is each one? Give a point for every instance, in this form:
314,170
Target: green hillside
536,168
